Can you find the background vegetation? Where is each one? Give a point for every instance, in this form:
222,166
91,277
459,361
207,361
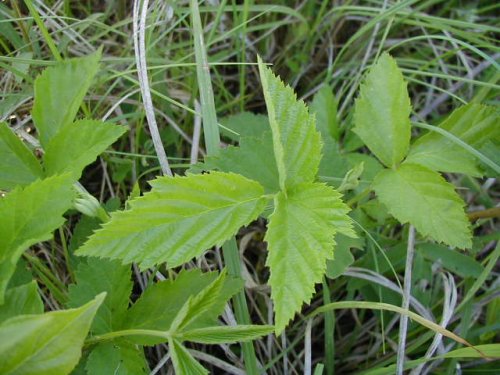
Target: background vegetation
447,51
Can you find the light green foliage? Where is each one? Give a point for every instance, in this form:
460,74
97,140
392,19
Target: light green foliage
199,305
382,110
300,238
417,195
307,215
59,92
20,224
226,334
245,124
46,344
296,142
186,309
186,325
254,159
78,144
184,363
95,276
149,313
179,219
21,300
18,165
162,302
118,358
475,124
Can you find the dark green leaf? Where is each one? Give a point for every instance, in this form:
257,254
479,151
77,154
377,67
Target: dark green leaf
118,358
95,276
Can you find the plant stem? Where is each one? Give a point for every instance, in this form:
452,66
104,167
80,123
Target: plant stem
403,324
210,125
44,31
139,25
329,332
232,260
212,143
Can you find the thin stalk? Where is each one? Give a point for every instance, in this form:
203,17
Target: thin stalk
308,349
232,260
403,324
210,125
64,244
48,39
139,28
329,318
212,143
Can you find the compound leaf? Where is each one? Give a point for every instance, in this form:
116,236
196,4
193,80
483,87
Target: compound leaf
157,307
59,92
296,142
475,124
177,302
95,276
118,358
179,219
382,110
417,195
78,144
46,344
18,165
300,239
29,215
21,300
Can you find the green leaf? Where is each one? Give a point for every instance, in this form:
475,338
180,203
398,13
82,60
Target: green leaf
95,276
245,124
21,300
475,124
342,257
47,344
78,144
324,106
296,142
254,159
382,110
179,219
18,165
226,334
160,303
457,262
184,363
417,195
333,163
300,239
59,92
198,306
117,358
20,219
